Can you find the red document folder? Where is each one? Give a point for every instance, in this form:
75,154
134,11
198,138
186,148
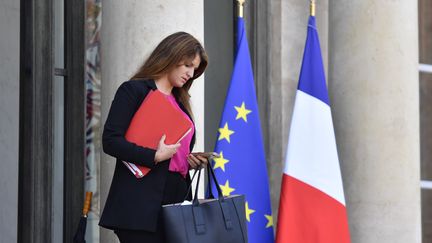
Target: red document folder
155,117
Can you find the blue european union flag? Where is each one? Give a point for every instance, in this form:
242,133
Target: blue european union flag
241,169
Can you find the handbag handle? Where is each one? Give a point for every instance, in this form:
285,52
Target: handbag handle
218,188
200,226
223,204
199,222
190,185
210,175
209,188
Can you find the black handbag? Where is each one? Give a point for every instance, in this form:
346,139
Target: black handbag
211,220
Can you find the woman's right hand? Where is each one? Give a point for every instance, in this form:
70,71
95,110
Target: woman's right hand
165,151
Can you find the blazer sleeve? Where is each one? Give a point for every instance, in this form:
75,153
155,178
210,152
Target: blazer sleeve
126,102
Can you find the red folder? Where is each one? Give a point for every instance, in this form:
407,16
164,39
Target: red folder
155,117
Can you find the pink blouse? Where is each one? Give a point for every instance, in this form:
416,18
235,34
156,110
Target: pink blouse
179,161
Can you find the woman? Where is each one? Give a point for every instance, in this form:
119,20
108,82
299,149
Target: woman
133,206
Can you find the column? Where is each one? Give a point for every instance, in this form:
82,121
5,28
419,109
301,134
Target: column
131,29
374,91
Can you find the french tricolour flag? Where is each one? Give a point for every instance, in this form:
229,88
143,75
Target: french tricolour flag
312,204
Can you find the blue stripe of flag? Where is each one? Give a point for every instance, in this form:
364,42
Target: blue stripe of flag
312,79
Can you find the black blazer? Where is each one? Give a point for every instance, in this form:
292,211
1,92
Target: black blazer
132,203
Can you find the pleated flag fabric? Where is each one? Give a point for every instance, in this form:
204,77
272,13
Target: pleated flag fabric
312,203
241,168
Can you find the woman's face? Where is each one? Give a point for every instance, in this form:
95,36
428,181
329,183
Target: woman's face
181,73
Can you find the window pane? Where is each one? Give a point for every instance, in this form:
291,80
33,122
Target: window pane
426,215
425,31
58,125
426,125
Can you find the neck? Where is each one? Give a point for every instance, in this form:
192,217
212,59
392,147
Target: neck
163,85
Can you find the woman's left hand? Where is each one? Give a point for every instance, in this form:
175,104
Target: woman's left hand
196,161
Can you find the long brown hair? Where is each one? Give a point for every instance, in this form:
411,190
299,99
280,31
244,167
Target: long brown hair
172,50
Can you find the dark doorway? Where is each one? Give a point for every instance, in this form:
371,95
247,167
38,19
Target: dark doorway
51,121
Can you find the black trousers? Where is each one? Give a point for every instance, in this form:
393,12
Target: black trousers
174,192
132,236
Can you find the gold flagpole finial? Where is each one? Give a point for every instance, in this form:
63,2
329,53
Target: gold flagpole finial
312,7
240,7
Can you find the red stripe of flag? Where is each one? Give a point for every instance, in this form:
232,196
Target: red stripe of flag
308,215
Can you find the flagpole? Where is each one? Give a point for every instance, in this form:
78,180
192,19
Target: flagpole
312,7
240,7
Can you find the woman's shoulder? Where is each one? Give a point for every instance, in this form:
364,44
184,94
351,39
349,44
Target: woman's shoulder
139,84
137,87
134,91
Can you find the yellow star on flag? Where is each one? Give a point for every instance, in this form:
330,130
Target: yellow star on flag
220,162
225,132
270,220
242,112
226,189
249,211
